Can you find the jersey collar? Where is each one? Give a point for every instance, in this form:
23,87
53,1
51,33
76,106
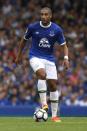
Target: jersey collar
45,26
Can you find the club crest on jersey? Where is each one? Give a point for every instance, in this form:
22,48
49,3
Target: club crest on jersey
44,43
51,33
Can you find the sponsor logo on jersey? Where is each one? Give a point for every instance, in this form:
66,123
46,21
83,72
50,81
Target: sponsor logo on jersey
44,43
37,32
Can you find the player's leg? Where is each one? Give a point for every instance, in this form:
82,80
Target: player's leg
39,68
54,93
42,89
54,99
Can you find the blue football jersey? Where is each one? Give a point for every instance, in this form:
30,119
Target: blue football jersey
43,39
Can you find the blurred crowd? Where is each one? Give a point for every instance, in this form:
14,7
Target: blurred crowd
18,84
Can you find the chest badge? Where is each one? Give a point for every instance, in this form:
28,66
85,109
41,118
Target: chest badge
51,33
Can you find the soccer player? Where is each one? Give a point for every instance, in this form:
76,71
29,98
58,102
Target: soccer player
44,35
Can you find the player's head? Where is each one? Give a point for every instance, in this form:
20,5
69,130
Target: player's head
46,15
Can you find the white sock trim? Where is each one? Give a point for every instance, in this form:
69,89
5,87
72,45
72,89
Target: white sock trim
54,95
42,85
42,88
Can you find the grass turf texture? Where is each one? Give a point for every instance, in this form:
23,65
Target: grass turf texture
28,124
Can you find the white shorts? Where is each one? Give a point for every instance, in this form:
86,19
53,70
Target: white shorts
50,67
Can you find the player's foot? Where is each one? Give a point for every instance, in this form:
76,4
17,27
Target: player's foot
56,119
45,107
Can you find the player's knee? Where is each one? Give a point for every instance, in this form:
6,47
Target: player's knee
53,88
43,76
52,85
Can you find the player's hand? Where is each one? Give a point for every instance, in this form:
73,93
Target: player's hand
66,64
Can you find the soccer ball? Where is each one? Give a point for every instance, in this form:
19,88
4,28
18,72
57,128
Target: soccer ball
40,115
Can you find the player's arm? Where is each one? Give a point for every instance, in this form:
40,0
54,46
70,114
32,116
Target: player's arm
21,47
22,44
64,49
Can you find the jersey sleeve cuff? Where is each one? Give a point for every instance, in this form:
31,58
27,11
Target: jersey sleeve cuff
63,43
25,38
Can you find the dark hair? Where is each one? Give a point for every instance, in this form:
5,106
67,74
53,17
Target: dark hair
47,8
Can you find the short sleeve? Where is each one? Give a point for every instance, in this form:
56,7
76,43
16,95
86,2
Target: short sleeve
28,32
60,37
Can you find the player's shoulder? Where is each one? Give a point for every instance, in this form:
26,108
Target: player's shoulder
57,27
34,24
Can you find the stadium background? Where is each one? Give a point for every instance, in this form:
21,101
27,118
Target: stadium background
18,84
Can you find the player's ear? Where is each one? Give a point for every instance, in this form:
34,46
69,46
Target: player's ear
50,16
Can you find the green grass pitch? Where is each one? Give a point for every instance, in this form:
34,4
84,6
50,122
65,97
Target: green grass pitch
28,124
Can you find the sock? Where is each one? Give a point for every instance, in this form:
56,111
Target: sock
42,88
54,96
